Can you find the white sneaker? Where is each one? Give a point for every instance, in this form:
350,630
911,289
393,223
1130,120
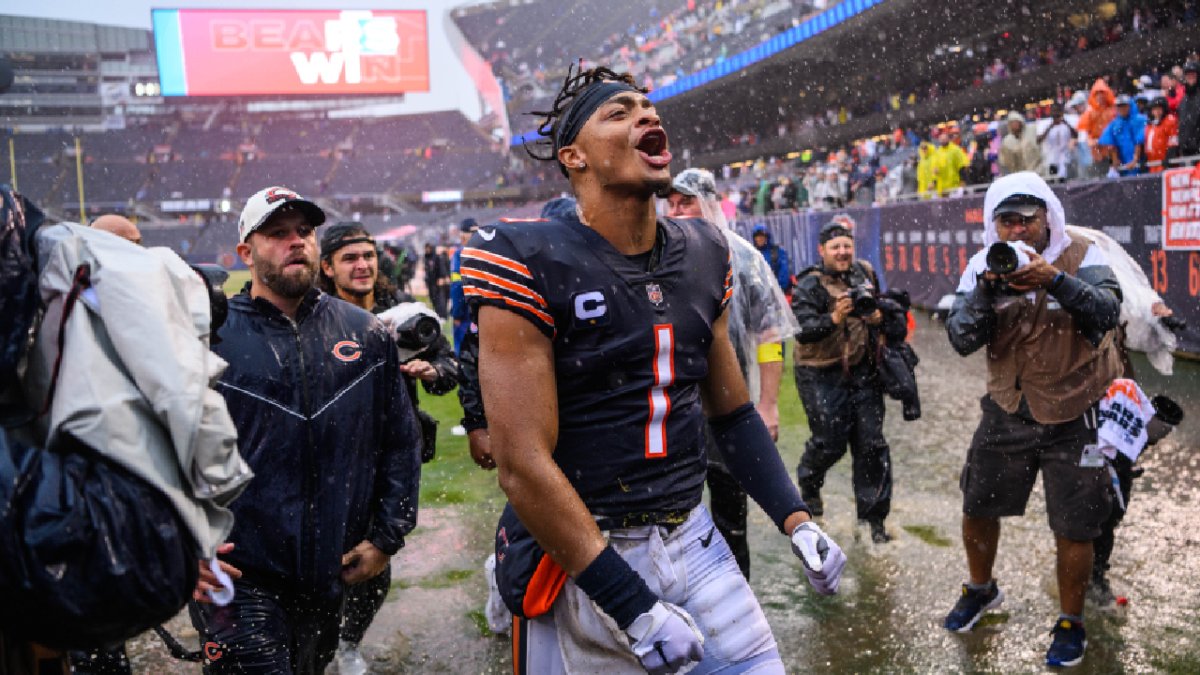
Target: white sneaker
349,660
458,430
498,617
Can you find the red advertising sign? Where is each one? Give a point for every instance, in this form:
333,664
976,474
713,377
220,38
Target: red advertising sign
1181,209
246,53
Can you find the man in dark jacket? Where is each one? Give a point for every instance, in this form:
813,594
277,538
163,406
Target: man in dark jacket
350,271
836,376
437,279
323,418
1189,112
776,255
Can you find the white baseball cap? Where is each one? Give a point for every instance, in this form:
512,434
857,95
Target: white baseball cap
269,200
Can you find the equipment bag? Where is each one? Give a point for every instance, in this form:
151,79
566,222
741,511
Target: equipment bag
90,555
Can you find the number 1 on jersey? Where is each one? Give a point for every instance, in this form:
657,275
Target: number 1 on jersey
660,400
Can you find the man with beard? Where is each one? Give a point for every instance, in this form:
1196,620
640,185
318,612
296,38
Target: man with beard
600,333
836,370
323,417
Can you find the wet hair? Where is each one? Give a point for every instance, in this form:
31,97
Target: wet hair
574,83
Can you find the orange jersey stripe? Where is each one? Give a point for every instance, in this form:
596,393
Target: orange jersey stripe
505,284
474,290
497,259
543,589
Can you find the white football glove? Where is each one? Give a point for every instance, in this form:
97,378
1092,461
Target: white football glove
822,557
665,639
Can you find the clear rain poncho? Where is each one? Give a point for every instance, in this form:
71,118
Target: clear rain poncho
759,312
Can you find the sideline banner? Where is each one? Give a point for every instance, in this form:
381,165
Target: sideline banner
1181,209
923,247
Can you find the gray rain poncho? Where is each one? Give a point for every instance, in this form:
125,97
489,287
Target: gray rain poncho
759,312
136,371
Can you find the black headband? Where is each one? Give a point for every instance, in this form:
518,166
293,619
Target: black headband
834,231
585,104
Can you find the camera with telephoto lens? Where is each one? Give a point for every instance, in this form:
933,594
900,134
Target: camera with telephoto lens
863,299
861,293
418,332
1004,258
413,326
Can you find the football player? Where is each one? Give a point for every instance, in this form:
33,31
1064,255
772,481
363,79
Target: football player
601,336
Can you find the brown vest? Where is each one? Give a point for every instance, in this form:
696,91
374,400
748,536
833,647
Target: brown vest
847,344
1037,353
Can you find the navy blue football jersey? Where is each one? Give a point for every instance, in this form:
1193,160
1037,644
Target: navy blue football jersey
630,348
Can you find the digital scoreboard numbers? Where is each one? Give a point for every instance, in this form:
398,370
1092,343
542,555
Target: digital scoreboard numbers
255,53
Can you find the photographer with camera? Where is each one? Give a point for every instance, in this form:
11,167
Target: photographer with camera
350,271
1044,302
842,322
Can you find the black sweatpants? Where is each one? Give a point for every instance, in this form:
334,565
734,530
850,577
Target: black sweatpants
846,409
362,604
265,631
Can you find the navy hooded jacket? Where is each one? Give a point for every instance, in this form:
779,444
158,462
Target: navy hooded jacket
777,257
325,422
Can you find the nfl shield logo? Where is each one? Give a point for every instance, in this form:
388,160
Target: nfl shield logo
654,292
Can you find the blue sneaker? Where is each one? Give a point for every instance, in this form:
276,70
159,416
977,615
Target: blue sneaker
1070,641
971,606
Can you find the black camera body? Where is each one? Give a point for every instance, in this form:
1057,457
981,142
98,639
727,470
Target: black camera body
1002,259
214,277
861,293
418,332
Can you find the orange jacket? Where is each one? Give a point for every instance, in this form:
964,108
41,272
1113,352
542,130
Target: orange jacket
1100,111
1159,138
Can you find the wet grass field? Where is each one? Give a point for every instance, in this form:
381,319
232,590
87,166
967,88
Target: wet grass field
887,618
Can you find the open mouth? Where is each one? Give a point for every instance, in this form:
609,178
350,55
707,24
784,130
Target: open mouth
652,147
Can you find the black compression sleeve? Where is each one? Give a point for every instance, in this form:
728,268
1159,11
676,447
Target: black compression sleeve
613,585
753,460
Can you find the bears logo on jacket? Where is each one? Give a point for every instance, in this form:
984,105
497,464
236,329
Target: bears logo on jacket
347,351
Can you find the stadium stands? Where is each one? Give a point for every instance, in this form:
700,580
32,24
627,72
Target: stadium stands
402,155
197,178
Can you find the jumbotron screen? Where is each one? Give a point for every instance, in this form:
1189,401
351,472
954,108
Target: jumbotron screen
221,52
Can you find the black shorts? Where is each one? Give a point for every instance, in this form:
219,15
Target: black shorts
1003,463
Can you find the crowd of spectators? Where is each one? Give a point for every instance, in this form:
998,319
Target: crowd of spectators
1123,125
967,67
658,47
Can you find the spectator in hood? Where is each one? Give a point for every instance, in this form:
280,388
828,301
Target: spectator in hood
925,170
1124,137
1162,133
1189,112
1019,151
949,159
1100,111
1172,91
776,255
